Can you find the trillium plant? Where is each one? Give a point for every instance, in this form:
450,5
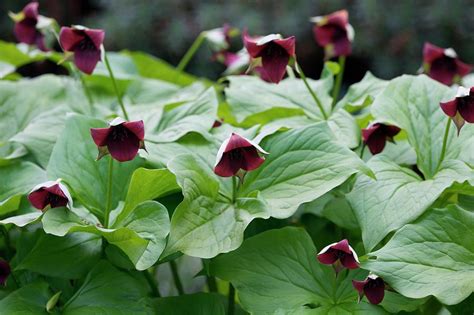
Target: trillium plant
129,186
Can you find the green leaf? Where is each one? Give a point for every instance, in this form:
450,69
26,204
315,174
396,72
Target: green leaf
345,128
277,271
303,164
196,304
108,291
22,219
398,196
434,256
203,225
74,160
395,303
27,300
6,69
68,257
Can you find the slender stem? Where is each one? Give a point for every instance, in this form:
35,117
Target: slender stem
234,188
117,92
80,77
108,204
337,86
211,283
177,280
191,52
445,142
6,237
362,151
315,97
231,305
150,278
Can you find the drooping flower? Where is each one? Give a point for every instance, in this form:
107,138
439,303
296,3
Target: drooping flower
51,194
219,38
376,135
5,271
443,65
237,153
340,255
373,287
272,52
334,33
86,45
461,108
121,139
26,30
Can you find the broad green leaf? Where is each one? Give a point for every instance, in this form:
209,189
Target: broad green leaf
11,153
27,300
399,152
108,291
433,256
6,69
141,235
68,257
74,160
17,180
398,196
345,128
362,94
122,66
277,271
303,164
196,304
22,219
19,54
204,225
347,309
395,303
254,101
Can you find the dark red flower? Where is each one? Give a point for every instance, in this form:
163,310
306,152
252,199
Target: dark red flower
5,271
26,26
273,51
334,33
51,193
461,108
339,255
375,136
86,45
237,153
121,139
443,65
373,287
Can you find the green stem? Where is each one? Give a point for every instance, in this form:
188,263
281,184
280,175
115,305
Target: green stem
231,305
315,97
211,283
191,52
234,188
114,83
290,72
108,204
80,77
445,142
362,151
150,278
337,86
177,280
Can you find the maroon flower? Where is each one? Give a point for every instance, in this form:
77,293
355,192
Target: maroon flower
121,139
86,45
5,271
237,153
273,52
25,29
334,33
339,255
375,136
51,193
461,108
373,287
443,65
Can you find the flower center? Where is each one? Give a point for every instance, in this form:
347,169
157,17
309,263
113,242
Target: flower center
273,50
445,64
86,44
120,134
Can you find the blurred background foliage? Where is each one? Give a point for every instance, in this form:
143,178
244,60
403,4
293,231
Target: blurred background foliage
389,34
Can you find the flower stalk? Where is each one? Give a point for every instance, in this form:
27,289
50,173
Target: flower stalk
108,204
315,97
114,83
177,280
231,304
337,86
445,142
191,52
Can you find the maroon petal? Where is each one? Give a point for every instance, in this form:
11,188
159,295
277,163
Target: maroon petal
431,52
262,73
328,258
39,198
340,18
463,68
39,41
275,64
5,271
376,143
342,47
123,148
99,135
323,34
55,189
359,285
375,290
367,132
69,38
391,131
96,36
137,127
87,59
466,108
342,246
449,108
236,142
226,166
250,44
349,261
288,44
443,70
31,10
251,159
25,32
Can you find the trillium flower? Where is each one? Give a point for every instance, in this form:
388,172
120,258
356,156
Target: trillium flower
375,136
334,33
238,153
461,108
26,26
373,287
340,255
443,65
121,139
272,53
5,271
85,44
51,194
219,38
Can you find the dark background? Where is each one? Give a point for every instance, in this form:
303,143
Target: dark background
389,34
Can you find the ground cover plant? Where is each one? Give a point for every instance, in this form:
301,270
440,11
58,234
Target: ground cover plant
131,187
